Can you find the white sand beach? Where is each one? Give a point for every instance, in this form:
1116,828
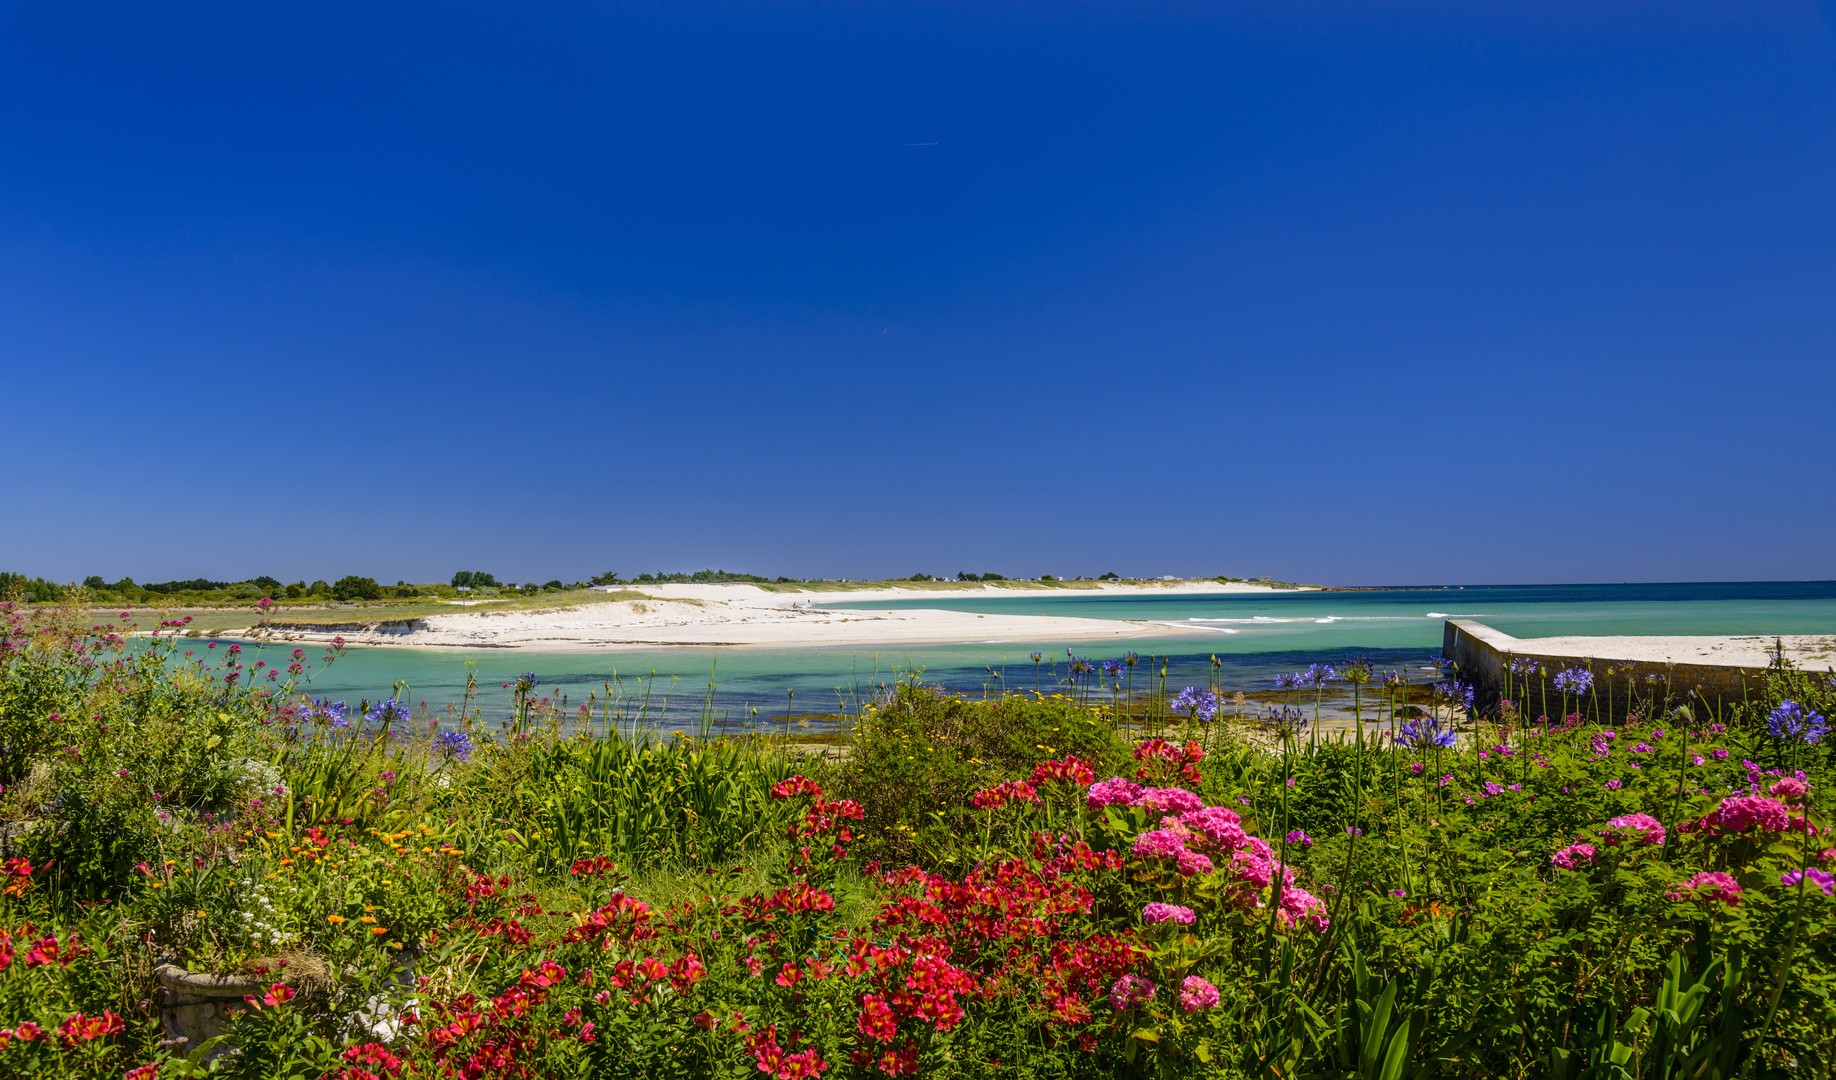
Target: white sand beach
746,615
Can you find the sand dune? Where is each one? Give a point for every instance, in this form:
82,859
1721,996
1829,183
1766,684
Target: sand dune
746,615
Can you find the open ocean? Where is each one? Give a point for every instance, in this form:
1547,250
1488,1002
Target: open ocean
1254,636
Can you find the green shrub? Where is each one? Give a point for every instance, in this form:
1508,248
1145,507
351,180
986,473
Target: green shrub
353,587
915,761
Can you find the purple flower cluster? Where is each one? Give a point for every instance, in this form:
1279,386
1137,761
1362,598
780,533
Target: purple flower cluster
387,712
1421,734
1575,681
1792,722
1196,703
1822,879
453,745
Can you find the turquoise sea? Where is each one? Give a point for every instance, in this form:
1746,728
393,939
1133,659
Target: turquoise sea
1254,636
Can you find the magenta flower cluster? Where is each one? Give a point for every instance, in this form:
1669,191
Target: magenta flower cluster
1157,913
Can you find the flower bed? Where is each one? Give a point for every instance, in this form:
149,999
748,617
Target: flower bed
1006,888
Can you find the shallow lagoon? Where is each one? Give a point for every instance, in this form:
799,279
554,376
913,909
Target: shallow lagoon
1254,636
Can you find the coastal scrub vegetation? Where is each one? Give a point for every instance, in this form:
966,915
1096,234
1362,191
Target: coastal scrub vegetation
1079,881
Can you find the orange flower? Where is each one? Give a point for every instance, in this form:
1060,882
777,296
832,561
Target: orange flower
334,919
366,919
379,929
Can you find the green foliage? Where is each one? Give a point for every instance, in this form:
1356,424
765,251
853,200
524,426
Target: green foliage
644,802
352,587
233,828
916,760
698,577
474,579
31,590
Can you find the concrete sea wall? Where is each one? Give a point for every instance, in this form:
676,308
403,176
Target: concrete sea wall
1483,656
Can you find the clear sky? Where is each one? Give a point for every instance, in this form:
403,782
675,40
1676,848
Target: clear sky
1359,293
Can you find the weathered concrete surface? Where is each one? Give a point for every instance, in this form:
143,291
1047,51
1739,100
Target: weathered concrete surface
1717,671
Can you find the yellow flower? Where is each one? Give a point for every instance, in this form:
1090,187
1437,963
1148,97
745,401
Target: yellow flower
334,919
386,881
427,851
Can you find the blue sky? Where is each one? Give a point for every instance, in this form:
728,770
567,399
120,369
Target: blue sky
1358,293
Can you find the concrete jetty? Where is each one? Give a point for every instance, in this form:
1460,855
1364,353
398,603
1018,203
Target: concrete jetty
1629,672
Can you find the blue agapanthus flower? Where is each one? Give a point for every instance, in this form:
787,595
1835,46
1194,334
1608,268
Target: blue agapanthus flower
1288,680
327,712
1282,720
1455,693
1574,680
387,712
1793,722
453,745
1320,674
1131,659
1112,668
1199,704
1038,656
1421,734
1521,666
526,682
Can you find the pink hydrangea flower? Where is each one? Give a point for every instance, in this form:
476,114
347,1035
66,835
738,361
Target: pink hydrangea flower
1193,864
1708,885
1169,800
1220,825
1573,857
1160,844
1790,789
1195,994
1644,828
1299,905
1130,991
1746,812
1156,913
1114,792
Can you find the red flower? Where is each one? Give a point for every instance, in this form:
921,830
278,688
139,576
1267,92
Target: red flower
900,1062
789,976
79,1028
795,786
28,1032
149,1071
46,951
876,1020
278,994
686,972
1072,768
376,1054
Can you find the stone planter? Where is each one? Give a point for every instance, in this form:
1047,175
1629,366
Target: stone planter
196,1008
